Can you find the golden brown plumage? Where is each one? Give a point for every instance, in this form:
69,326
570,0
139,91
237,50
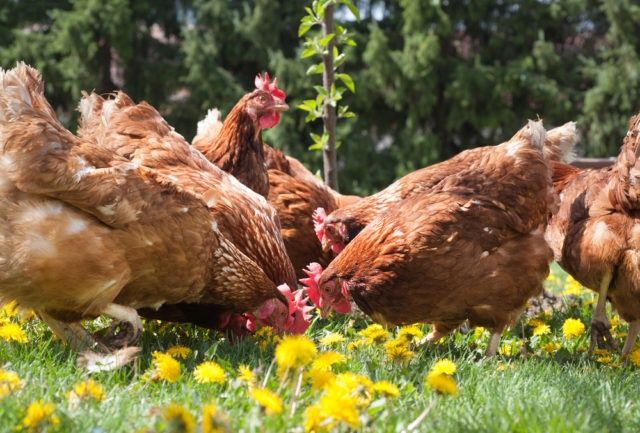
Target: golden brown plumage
342,225
134,218
296,193
471,247
595,234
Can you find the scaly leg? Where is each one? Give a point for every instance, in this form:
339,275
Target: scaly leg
494,342
129,316
634,329
600,334
73,334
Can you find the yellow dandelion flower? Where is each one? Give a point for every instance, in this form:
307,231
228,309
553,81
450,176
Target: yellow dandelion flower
181,352
178,419
534,323
89,389
10,309
209,372
502,366
398,350
313,419
506,350
572,287
325,360
572,328
634,357
410,333
551,278
266,332
319,378
355,344
614,322
442,383
39,416
268,400
604,359
443,366
245,374
295,351
541,330
9,382
213,421
355,385
165,367
550,347
332,338
385,388
478,332
374,333
339,407
12,332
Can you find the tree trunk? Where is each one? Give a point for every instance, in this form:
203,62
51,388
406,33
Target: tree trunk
329,115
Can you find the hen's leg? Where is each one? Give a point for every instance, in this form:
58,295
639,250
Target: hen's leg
439,330
494,342
73,334
634,329
123,315
94,356
600,327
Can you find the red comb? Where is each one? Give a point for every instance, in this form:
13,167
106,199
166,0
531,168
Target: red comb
319,215
313,271
299,310
264,83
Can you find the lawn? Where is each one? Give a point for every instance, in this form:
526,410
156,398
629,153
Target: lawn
550,385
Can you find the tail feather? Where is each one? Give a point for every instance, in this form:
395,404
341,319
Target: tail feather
31,137
90,109
533,132
560,143
21,91
208,129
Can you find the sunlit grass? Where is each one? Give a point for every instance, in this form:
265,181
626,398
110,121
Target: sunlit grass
544,383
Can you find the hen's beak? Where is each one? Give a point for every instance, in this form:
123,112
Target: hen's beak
280,106
326,245
325,310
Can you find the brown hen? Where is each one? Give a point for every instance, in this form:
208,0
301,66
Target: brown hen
595,235
236,147
133,219
471,248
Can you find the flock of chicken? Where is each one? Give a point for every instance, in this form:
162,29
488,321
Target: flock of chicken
127,219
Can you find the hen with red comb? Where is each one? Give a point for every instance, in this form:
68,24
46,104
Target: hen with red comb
236,147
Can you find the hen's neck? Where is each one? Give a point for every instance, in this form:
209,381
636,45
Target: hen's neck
238,150
237,137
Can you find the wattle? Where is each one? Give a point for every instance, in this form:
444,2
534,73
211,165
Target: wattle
269,120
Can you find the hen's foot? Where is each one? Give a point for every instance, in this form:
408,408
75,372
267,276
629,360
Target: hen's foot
601,336
126,329
119,335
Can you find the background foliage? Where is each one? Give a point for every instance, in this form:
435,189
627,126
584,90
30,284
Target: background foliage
433,77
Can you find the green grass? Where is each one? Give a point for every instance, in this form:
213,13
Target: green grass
564,392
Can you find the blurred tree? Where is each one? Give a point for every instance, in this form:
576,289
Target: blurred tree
614,92
434,77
